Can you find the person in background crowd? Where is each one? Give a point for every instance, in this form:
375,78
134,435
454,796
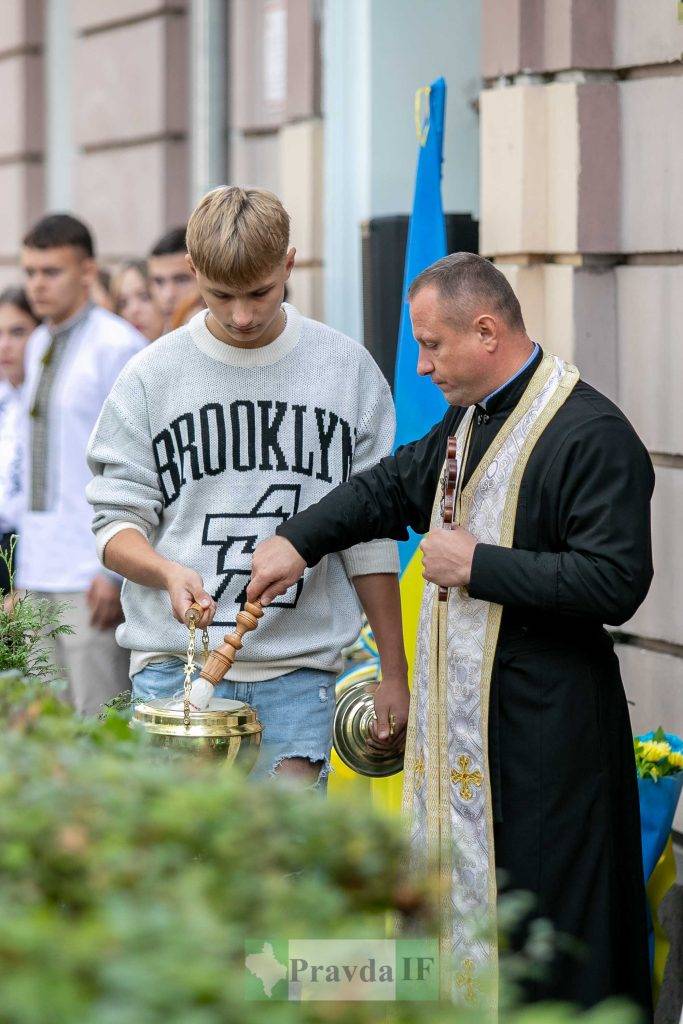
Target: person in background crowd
17,322
72,361
185,311
171,281
133,301
100,290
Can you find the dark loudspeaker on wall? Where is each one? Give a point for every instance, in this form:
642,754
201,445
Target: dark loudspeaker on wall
383,242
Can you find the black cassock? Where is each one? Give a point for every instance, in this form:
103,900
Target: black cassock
567,822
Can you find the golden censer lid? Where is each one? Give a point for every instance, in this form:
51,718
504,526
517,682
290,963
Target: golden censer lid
222,717
354,711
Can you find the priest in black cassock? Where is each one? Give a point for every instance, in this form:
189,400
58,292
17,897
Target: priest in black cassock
519,747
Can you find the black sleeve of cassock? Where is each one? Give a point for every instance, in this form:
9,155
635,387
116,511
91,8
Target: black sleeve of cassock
599,486
381,502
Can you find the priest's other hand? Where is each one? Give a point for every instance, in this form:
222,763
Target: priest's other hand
447,556
276,567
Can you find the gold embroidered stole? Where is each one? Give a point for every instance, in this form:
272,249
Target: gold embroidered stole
447,791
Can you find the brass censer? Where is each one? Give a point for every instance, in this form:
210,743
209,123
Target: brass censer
228,730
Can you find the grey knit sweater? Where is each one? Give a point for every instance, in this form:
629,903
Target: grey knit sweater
205,448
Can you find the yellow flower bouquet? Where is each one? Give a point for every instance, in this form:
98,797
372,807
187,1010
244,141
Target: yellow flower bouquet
659,765
656,758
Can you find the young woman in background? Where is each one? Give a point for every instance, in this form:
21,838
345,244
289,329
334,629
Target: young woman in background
133,300
17,322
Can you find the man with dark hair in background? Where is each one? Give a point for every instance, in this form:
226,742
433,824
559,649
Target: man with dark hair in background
170,279
72,361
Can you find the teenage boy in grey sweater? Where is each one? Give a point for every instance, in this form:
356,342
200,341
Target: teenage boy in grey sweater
210,439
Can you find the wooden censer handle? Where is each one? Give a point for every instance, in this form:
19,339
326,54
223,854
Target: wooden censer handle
448,495
221,660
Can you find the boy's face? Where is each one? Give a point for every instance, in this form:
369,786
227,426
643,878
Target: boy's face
246,317
57,280
170,282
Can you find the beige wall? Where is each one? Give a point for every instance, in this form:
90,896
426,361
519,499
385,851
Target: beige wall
131,117
21,126
277,129
130,113
582,208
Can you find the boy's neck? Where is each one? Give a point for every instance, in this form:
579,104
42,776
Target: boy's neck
267,338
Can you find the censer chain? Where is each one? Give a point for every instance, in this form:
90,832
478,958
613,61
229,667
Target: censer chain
191,665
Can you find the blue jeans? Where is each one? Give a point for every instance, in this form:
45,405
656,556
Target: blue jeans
296,711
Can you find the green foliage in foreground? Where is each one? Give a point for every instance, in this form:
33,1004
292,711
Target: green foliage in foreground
130,880
26,623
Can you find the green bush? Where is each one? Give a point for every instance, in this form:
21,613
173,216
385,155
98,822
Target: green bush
130,879
26,623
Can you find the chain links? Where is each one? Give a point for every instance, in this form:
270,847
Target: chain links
191,665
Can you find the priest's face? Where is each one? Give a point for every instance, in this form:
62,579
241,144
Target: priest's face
455,357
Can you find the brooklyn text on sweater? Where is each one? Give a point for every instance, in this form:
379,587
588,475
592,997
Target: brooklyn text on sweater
252,435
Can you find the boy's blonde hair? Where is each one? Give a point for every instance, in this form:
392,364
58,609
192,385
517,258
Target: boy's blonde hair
238,235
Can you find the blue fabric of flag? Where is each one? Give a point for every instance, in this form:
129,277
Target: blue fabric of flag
419,403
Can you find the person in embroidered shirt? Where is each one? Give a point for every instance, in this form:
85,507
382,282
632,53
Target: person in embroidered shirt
552,541
217,433
72,360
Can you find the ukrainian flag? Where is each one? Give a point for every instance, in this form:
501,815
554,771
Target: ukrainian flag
419,403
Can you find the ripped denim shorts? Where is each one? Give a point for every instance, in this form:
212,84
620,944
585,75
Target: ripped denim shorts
295,709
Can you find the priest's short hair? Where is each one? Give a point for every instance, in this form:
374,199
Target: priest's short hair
470,285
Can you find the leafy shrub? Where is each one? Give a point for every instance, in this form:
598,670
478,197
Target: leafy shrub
130,879
26,624
129,882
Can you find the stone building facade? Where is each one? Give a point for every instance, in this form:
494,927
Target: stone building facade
582,208
564,135
126,111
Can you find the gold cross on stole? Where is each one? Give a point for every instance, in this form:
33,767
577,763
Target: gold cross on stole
419,769
465,981
464,777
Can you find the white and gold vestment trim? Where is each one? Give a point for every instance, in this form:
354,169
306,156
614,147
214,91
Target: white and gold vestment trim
447,790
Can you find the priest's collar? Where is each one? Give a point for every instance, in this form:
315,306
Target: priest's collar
509,392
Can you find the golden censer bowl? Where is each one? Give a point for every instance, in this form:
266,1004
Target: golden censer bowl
354,711
227,730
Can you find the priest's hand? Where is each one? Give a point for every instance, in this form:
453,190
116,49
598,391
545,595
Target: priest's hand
276,567
447,556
